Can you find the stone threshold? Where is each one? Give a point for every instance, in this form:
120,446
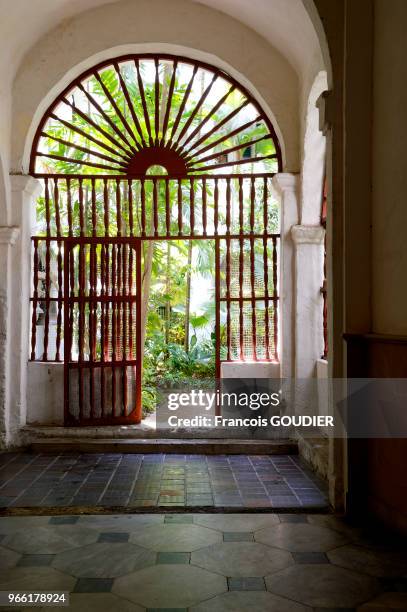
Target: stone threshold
165,445
109,510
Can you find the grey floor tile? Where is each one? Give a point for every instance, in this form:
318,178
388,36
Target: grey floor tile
93,585
246,584
63,520
178,518
35,560
310,557
173,557
237,536
111,536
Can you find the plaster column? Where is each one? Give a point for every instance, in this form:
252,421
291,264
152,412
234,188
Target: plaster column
24,191
286,186
308,316
8,237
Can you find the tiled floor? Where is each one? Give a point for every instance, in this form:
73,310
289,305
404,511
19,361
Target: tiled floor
131,481
204,563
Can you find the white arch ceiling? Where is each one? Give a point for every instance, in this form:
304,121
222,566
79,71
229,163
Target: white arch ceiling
287,26
283,23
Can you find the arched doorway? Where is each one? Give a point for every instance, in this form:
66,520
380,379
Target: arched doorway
102,207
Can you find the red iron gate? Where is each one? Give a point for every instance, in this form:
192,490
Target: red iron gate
102,348
94,149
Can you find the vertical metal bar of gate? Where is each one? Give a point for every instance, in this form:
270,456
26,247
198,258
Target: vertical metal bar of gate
89,376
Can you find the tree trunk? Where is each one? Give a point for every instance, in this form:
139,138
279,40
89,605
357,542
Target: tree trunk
167,292
188,297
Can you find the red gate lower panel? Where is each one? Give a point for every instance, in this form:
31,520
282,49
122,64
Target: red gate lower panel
102,290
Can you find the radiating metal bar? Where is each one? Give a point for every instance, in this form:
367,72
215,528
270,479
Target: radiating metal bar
126,156
118,113
215,129
80,162
105,116
143,101
237,162
182,106
169,102
196,110
198,129
243,145
157,103
130,105
97,127
219,141
79,147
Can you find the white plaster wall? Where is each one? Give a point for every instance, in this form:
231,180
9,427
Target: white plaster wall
45,383
188,28
313,156
323,392
250,370
389,214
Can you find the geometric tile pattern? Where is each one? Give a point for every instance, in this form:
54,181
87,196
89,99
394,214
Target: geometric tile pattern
157,480
204,563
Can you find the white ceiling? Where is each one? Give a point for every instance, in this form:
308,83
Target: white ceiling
284,23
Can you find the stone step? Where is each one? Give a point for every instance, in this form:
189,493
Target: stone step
166,445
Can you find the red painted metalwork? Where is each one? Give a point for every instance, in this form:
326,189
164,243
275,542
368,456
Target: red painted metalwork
101,358
87,265
131,145
244,242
